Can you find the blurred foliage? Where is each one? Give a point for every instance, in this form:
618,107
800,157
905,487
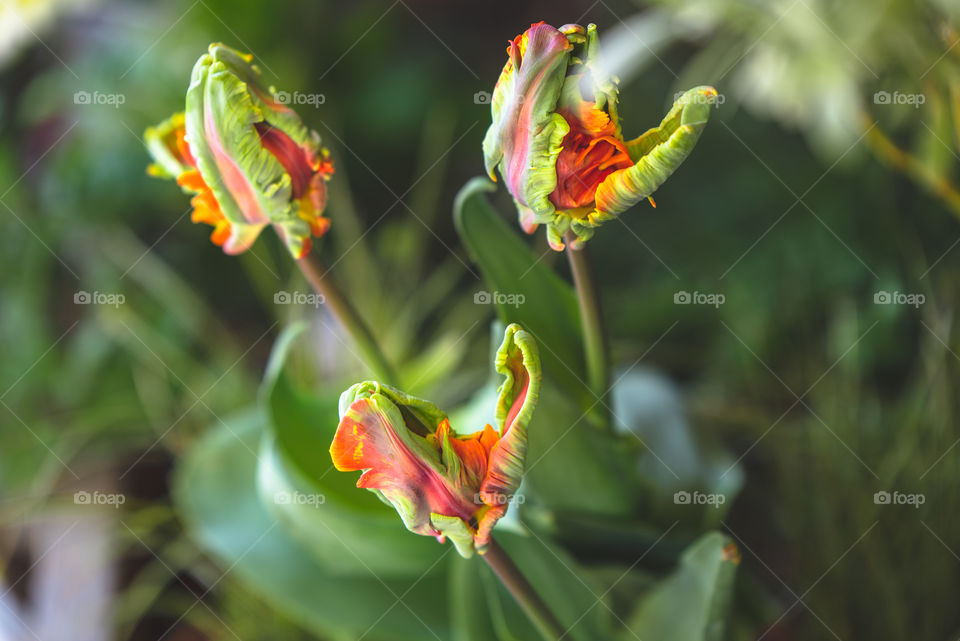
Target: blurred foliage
803,199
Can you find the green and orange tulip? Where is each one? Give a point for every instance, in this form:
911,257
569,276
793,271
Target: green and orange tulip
247,159
442,484
556,136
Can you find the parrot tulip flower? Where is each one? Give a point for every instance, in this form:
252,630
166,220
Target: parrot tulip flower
248,159
442,484
556,137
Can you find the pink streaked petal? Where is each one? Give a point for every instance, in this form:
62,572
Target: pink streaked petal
368,439
233,178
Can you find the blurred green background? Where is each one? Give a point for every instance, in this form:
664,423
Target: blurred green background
821,194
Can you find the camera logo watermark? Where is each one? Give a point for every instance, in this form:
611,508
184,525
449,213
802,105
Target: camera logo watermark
299,298
482,98
98,98
299,98
299,498
897,98
899,498
898,298
698,298
98,298
99,498
698,498
498,298
702,99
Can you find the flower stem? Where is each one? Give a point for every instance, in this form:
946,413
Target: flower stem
594,336
525,594
317,275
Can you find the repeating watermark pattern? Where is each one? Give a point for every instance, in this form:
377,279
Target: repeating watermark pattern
98,98
498,298
299,298
698,298
482,98
897,98
898,298
499,499
299,98
84,497
699,498
899,498
299,498
699,98
98,298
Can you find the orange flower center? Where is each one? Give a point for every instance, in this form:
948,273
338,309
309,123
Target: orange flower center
591,152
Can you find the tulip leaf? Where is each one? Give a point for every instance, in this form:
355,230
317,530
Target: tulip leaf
691,604
215,491
352,531
522,288
561,440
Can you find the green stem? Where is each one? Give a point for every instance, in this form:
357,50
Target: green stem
594,336
316,274
525,594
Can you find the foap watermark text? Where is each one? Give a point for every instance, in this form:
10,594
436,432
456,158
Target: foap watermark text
299,298
898,298
699,298
498,298
99,298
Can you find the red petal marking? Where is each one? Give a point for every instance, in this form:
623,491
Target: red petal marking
591,152
522,378
296,161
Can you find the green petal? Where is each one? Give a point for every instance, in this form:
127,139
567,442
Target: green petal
519,361
525,136
457,531
250,185
657,153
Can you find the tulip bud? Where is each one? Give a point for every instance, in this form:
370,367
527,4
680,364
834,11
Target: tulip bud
442,484
556,137
248,159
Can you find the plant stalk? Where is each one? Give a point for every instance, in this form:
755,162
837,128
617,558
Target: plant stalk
525,594
317,275
594,334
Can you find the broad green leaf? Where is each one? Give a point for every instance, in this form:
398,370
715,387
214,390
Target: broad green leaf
573,466
351,531
692,603
549,307
215,491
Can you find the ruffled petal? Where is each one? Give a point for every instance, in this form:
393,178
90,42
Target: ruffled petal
401,466
657,154
525,136
519,361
